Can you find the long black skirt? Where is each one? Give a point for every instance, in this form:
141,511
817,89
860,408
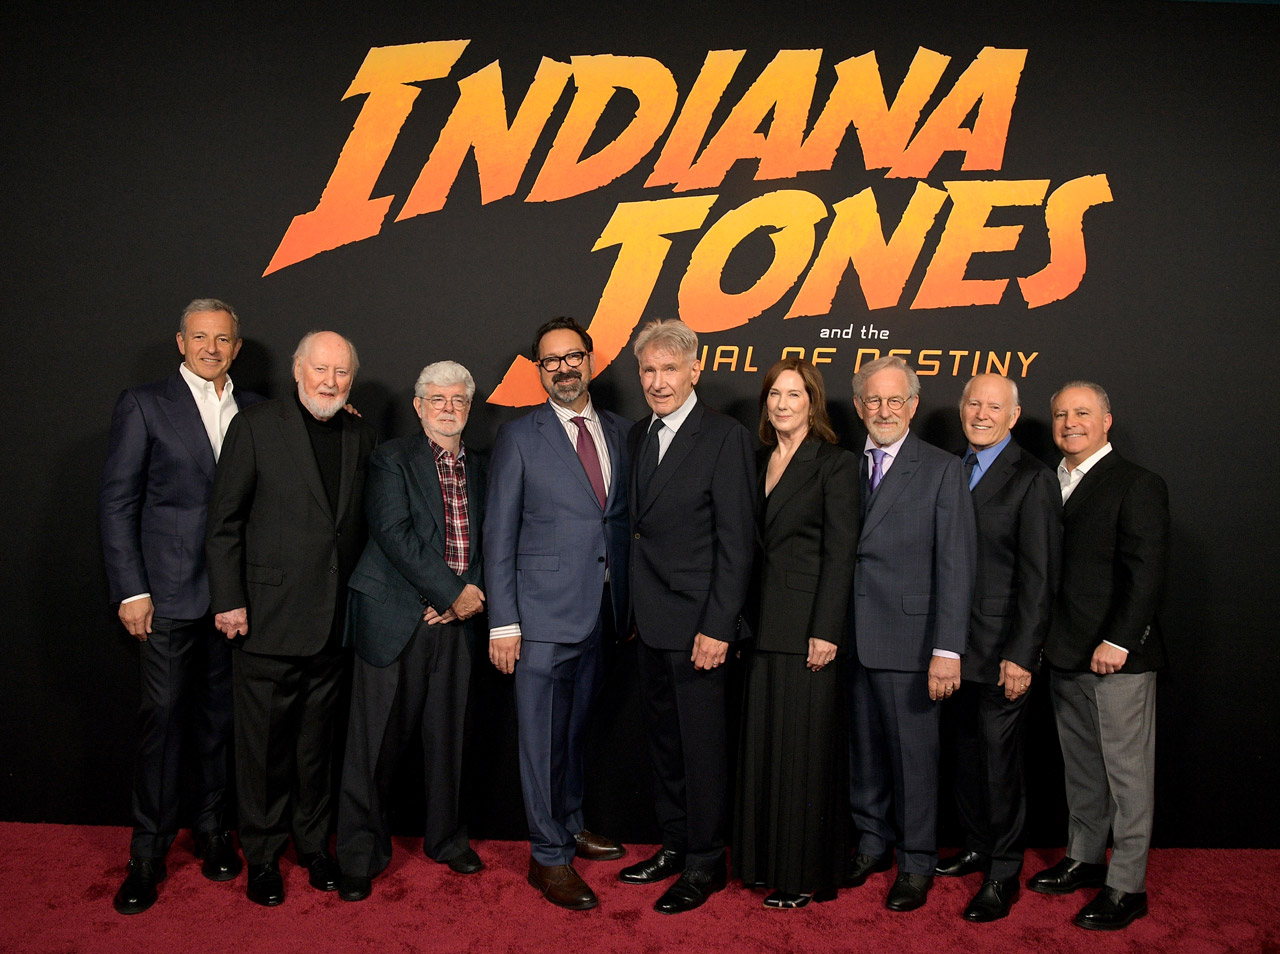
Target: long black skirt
792,825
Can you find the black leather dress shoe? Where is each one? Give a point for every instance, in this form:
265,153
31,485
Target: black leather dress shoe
354,887
993,900
863,866
465,862
665,864
594,847
690,890
965,863
1112,910
1067,876
221,863
139,889
909,891
324,873
266,887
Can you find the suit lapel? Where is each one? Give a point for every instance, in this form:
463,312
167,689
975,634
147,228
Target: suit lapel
800,470
427,476
677,451
293,431
553,432
1098,475
616,440
894,482
180,408
998,474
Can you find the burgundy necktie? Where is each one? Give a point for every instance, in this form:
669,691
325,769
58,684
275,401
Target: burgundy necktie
590,459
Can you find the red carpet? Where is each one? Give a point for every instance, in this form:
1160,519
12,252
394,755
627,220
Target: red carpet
58,883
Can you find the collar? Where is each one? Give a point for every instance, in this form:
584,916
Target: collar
989,454
441,454
199,385
567,414
890,451
1085,465
679,415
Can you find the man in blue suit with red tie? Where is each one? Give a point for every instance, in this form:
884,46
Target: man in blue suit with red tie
555,558
165,440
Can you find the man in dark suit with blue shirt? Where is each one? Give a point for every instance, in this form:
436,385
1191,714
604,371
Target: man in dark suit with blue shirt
411,605
165,440
1019,519
555,556
912,594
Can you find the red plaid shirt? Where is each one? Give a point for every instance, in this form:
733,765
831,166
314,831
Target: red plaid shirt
457,526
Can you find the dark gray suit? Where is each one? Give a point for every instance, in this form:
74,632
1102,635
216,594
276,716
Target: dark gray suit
408,676
912,593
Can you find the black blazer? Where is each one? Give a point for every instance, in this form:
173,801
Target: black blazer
1018,508
1115,553
402,569
692,532
807,536
274,545
155,496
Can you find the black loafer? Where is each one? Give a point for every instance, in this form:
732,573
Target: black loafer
691,890
909,891
221,863
993,900
863,866
665,864
265,887
465,862
965,863
354,888
324,873
1068,876
1112,910
139,889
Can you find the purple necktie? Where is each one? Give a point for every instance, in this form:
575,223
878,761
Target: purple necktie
590,459
877,468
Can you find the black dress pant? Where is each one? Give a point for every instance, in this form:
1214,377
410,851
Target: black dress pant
286,733
424,690
184,727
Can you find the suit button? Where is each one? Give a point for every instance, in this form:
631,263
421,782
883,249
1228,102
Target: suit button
637,536
599,559
333,569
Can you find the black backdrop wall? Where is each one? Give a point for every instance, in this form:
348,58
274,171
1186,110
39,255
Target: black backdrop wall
1121,153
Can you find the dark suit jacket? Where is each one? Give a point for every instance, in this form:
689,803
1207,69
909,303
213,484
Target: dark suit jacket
807,536
274,545
692,533
547,542
155,495
913,583
1018,508
1115,553
402,569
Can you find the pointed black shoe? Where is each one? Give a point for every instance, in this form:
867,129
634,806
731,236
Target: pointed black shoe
139,889
993,900
465,862
965,863
909,891
1112,910
691,890
665,864
323,872
1067,876
863,866
354,888
221,863
265,887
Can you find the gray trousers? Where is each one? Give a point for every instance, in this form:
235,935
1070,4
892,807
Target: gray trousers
1107,727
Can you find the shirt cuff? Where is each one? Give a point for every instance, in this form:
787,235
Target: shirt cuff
140,596
946,654
503,632
1116,645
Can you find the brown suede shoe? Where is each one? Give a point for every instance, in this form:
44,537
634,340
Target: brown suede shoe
594,847
561,885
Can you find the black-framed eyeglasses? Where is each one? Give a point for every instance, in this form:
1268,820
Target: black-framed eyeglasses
459,402
552,362
873,403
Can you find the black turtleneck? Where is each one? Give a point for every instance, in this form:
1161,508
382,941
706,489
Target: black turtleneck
326,444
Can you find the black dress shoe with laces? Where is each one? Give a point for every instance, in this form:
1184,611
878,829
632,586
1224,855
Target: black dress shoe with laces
265,887
139,889
1067,876
909,891
465,862
354,887
691,890
993,900
221,863
1112,910
863,866
665,864
965,863
324,873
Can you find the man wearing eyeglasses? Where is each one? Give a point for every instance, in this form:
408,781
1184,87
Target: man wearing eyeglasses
555,553
413,600
909,614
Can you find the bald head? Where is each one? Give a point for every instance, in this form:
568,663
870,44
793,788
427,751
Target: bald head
324,365
988,410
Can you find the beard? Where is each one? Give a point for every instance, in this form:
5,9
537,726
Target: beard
321,406
568,387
